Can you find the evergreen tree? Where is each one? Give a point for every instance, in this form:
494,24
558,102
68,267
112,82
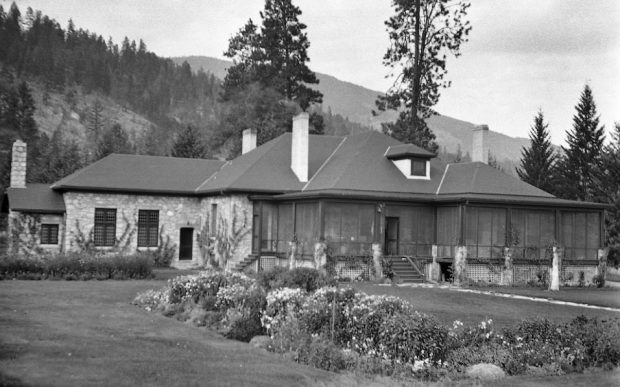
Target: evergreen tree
59,158
276,56
494,163
95,121
538,161
582,158
24,118
113,140
188,144
422,33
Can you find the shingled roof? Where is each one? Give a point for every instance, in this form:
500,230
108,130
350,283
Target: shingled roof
34,198
355,166
141,174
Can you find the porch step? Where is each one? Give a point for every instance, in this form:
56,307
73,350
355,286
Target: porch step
247,261
404,271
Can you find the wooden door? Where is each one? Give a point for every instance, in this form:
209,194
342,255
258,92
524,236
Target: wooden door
186,243
391,235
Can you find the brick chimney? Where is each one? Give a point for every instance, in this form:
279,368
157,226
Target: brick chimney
299,147
480,144
248,141
18,165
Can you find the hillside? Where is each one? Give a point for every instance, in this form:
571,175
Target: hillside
356,103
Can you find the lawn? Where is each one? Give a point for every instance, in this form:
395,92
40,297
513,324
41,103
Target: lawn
66,333
62,333
449,305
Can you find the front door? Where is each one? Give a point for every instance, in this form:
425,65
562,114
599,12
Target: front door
391,235
186,243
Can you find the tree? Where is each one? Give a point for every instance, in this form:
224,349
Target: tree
24,118
608,182
421,33
188,144
538,161
113,140
275,57
58,159
95,121
582,158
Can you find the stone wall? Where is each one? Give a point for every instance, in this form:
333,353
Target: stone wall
24,233
231,241
175,212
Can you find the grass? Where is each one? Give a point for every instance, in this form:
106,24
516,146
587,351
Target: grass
74,333
609,297
450,305
61,333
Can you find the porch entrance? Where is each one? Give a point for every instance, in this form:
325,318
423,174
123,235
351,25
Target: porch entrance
391,235
186,243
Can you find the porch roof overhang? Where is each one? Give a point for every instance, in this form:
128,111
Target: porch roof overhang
473,198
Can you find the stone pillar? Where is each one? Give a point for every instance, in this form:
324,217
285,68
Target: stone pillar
292,259
320,257
18,165
460,265
377,256
601,269
434,274
554,281
508,270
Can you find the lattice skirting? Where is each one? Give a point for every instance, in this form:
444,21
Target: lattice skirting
522,274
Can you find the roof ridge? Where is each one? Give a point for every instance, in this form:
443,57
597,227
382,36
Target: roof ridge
348,162
445,171
212,176
324,163
473,178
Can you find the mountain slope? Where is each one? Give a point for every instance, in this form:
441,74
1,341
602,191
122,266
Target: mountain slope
356,103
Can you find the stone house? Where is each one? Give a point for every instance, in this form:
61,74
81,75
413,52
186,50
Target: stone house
356,197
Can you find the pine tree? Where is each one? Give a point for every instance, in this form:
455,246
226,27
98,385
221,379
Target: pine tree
411,130
608,182
582,158
113,140
95,121
188,144
538,161
25,113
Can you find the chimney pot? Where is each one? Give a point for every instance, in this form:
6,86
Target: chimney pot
18,165
248,141
299,146
480,144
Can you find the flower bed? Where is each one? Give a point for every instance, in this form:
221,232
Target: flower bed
343,329
75,267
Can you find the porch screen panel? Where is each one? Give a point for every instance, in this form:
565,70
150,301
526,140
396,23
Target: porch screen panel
532,232
580,234
485,233
306,226
447,231
285,227
416,229
349,228
269,227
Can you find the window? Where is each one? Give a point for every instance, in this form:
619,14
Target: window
49,234
105,226
581,233
532,232
349,228
148,228
418,167
485,234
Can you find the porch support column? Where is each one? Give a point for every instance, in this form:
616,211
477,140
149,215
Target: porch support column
460,265
377,256
434,274
601,269
507,270
554,282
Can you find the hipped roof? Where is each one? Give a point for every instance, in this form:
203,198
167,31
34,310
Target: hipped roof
34,198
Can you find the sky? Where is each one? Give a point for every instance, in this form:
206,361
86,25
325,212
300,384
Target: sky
521,56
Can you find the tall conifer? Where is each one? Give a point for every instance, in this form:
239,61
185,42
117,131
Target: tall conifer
583,155
538,161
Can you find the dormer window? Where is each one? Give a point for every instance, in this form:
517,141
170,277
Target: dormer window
412,161
418,166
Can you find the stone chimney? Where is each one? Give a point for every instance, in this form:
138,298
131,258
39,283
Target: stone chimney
18,165
248,141
299,147
480,144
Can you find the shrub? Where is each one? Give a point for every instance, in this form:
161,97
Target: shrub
304,278
322,353
75,266
598,281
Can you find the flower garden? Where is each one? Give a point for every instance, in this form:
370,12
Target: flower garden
310,319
